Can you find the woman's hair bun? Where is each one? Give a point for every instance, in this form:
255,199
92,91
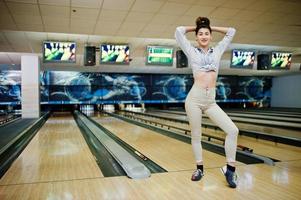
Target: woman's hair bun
202,21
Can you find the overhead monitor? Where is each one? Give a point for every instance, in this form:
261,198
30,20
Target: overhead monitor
281,60
242,59
59,52
159,55
115,53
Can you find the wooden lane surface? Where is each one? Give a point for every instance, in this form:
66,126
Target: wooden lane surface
272,118
243,114
262,113
255,182
271,113
277,151
252,127
57,152
169,153
294,165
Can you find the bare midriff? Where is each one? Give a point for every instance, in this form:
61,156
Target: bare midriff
205,79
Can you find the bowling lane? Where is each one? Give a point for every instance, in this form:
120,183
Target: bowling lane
266,148
169,153
251,127
255,182
57,152
250,115
265,117
268,112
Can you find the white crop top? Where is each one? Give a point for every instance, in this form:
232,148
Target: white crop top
198,59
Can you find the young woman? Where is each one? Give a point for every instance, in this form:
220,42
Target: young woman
205,62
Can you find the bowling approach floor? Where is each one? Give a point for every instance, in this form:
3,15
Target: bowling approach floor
57,164
269,129
262,147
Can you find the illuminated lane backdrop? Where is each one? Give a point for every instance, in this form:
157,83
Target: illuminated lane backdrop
62,87
10,87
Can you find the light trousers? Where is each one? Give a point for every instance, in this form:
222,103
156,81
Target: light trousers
201,100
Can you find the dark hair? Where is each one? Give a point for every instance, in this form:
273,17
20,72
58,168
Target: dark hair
202,22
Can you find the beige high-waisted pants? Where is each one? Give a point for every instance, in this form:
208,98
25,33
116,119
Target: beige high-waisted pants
198,100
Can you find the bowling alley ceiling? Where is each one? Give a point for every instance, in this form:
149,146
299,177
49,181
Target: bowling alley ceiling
263,25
